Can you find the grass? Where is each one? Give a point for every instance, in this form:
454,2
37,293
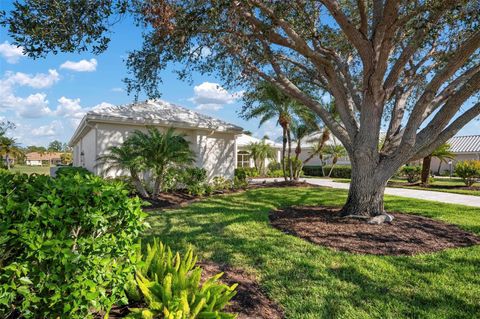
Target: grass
437,185
310,281
43,170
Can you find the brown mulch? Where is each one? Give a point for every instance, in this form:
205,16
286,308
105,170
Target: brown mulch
407,235
181,198
249,302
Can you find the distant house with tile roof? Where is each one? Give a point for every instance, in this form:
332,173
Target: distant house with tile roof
39,159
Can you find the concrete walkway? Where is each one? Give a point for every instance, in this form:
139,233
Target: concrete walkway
442,197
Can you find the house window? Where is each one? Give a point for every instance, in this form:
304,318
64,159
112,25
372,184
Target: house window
243,159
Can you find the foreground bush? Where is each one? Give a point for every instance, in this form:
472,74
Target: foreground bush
171,287
469,171
412,173
66,244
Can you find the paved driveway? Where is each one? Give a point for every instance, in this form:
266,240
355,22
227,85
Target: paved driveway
449,198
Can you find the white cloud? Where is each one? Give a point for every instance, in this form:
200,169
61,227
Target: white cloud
80,66
32,106
68,106
211,96
117,90
51,129
10,52
37,81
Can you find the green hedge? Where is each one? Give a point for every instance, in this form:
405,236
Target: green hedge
66,244
339,171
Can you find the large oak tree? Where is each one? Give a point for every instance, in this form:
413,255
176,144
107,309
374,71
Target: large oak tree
410,68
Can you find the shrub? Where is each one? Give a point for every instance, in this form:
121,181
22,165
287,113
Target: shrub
275,173
274,166
71,171
220,183
412,173
469,171
339,171
66,243
194,179
170,286
248,171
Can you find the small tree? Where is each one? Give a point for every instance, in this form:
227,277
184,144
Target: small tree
442,153
469,171
260,151
334,152
274,104
55,146
126,157
160,151
9,149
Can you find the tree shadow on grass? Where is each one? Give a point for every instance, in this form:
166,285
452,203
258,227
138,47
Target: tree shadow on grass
311,281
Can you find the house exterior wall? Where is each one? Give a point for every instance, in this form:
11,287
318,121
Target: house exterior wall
315,161
33,163
88,146
446,167
214,152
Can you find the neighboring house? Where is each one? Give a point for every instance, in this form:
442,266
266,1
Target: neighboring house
243,156
245,160
464,148
212,140
39,159
307,147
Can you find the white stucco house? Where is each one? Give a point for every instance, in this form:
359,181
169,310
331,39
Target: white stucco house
243,156
463,147
212,140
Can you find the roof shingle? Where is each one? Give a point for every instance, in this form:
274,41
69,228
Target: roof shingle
465,144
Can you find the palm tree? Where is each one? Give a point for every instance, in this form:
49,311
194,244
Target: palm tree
125,157
162,150
443,153
300,131
9,149
260,151
274,104
318,148
334,151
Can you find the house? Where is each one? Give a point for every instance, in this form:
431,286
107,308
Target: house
212,140
39,159
243,155
464,148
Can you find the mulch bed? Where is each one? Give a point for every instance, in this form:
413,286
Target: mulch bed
249,302
407,235
181,198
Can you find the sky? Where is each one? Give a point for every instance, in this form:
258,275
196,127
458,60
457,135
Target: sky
46,98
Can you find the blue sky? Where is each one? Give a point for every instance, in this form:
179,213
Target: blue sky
46,98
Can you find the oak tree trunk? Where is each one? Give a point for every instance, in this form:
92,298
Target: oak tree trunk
367,186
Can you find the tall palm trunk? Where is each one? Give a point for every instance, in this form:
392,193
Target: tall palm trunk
284,149
334,162
290,164
426,169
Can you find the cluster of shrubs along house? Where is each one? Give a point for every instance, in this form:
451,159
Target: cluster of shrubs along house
219,146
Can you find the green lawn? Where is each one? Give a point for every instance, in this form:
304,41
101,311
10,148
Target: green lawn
311,281
43,170
436,185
